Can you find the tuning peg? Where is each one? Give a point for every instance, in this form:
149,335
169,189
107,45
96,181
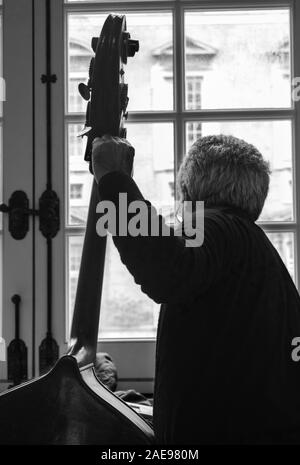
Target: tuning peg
129,48
84,91
84,131
91,67
124,96
132,47
94,43
87,125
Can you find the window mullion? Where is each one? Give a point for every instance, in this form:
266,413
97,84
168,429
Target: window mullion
178,37
278,227
231,4
204,115
232,115
107,7
296,132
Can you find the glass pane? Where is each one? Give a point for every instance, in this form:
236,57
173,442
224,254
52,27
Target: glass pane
74,247
154,162
79,178
125,311
149,74
237,59
284,242
274,140
153,167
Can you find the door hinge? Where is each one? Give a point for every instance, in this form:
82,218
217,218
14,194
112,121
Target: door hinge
18,214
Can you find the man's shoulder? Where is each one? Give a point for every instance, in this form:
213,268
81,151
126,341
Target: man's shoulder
230,225
227,217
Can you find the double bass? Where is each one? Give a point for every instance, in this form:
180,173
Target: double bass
69,405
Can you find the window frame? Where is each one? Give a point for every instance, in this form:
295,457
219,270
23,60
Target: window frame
179,116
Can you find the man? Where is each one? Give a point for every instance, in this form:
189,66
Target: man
230,311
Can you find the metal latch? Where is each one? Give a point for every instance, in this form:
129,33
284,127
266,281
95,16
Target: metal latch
18,214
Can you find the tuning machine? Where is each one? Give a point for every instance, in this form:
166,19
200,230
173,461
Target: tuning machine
84,131
124,97
87,125
94,43
129,47
85,89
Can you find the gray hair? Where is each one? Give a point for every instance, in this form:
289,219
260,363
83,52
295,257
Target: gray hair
225,171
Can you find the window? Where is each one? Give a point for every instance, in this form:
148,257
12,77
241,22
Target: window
79,59
229,55
193,92
75,247
75,100
76,191
75,148
234,63
194,131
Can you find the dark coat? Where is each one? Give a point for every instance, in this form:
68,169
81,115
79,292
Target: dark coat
230,310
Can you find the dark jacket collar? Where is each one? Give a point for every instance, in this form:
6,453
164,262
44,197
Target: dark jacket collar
229,210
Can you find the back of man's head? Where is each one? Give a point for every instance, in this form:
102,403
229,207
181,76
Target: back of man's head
225,171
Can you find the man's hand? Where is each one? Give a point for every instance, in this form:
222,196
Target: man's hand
111,154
